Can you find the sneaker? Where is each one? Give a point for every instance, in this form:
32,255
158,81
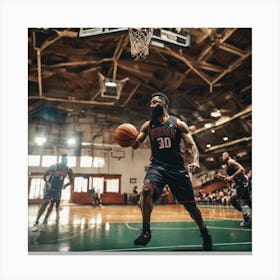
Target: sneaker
247,220
35,227
207,241
143,239
244,224
246,217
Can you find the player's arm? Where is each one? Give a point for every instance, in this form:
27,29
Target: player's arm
141,135
71,179
220,176
189,142
239,169
47,173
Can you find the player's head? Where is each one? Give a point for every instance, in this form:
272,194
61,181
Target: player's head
64,158
159,103
225,156
162,97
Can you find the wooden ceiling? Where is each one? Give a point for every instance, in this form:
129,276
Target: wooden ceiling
214,73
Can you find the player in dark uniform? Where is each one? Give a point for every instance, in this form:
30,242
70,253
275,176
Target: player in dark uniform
54,177
234,173
167,166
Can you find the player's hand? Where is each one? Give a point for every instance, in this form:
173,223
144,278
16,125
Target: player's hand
228,178
193,168
49,185
220,176
135,145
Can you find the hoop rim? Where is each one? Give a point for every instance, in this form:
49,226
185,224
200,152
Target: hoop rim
142,29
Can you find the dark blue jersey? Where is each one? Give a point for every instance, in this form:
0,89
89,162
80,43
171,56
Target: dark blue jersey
165,141
240,178
57,174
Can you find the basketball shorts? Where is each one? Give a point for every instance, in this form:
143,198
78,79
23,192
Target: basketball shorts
178,181
50,193
240,192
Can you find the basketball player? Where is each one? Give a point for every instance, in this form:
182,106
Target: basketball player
167,167
54,177
234,173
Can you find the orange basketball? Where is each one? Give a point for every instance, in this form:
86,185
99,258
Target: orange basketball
125,134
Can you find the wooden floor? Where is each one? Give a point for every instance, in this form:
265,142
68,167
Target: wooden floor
113,228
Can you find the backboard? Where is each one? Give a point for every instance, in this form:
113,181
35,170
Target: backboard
179,37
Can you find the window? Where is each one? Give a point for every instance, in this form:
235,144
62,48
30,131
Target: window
98,162
86,161
72,161
34,160
66,193
36,188
80,184
97,183
49,160
112,185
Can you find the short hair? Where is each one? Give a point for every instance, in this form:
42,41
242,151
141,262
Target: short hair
161,96
64,155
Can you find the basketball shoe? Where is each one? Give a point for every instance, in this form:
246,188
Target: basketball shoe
247,220
34,227
143,239
207,240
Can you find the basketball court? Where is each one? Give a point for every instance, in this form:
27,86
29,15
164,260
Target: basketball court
97,230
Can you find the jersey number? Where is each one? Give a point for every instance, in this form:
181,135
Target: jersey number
164,142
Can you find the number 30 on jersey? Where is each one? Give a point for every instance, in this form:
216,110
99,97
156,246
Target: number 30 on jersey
164,142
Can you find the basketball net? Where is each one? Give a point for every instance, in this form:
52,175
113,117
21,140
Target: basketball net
139,41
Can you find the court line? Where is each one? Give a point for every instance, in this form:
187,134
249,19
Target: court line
138,229
69,237
171,228
172,246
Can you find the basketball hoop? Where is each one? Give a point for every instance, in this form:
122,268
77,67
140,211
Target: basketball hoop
139,41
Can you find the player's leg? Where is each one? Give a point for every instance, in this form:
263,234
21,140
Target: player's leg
57,198
57,205
181,187
195,214
40,212
146,206
48,212
236,195
153,185
247,215
247,197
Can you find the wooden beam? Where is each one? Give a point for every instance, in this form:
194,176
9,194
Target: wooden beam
39,73
231,49
89,102
210,67
234,142
187,62
131,95
91,69
138,72
78,63
205,52
227,33
177,83
118,51
246,88
96,94
206,33
231,67
248,110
